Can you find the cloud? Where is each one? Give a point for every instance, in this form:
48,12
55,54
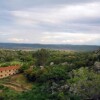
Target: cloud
69,38
50,21
18,40
53,38
24,4
57,15
84,17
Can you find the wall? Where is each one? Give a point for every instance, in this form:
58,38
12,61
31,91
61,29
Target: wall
6,73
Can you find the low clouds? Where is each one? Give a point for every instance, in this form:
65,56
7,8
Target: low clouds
70,38
50,21
18,40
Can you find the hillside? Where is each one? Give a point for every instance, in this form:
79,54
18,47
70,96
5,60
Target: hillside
48,46
51,75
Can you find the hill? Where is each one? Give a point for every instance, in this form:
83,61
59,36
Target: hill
22,46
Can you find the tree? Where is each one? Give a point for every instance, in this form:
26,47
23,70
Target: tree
85,83
42,57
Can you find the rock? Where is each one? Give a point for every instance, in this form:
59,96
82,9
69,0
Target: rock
52,63
31,67
54,84
65,63
97,66
1,91
65,87
42,67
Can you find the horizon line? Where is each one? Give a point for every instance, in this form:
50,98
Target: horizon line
48,44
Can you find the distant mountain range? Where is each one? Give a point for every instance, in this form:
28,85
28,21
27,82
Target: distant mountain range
22,46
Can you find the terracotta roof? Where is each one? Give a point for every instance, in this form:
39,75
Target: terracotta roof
9,68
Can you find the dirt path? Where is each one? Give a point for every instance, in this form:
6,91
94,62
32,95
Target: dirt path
15,87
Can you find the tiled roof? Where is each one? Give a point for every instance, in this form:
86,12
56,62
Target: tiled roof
9,68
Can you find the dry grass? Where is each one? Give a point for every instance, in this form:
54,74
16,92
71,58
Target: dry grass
17,82
21,80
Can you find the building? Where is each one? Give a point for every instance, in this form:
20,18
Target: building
8,71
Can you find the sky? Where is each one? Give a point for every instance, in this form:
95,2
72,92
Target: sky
74,22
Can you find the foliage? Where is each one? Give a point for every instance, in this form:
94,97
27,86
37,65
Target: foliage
8,94
85,83
71,77
41,56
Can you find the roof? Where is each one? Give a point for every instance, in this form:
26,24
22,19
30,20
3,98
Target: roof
9,68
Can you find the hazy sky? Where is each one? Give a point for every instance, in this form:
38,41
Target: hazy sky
50,21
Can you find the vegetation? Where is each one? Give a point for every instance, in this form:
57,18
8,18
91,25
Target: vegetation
53,75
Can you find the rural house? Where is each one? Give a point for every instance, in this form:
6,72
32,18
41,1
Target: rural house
8,71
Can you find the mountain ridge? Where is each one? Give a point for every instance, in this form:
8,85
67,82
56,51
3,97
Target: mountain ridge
48,46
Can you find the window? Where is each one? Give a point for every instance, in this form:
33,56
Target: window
1,75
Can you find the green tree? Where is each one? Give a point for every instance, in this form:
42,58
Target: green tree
42,57
85,83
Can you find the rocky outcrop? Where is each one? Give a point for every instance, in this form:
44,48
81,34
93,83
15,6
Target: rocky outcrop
65,63
97,66
52,63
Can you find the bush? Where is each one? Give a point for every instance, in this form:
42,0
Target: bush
85,83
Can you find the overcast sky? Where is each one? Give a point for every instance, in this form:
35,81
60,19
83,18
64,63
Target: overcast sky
50,21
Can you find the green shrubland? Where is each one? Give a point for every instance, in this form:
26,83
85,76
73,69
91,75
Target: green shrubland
71,76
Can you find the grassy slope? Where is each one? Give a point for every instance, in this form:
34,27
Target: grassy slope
16,82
